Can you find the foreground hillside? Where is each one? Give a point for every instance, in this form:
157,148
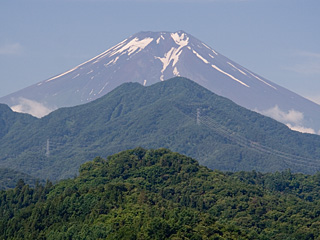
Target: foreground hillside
177,114
158,194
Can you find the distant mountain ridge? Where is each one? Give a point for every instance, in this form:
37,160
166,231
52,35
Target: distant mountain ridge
177,114
9,179
150,57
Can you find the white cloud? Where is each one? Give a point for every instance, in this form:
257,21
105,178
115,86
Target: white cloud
293,119
34,108
301,129
11,49
292,116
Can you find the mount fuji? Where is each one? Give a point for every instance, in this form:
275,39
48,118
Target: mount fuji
150,57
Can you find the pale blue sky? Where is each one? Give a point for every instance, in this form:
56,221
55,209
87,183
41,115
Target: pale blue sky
277,39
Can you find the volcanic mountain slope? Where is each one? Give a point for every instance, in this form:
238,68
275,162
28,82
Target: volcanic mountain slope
177,114
150,57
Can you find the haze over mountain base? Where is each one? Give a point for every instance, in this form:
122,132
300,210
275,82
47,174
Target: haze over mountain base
177,114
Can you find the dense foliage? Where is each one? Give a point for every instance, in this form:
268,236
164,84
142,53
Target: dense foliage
158,194
9,178
177,114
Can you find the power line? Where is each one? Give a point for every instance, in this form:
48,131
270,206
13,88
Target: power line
245,142
242,141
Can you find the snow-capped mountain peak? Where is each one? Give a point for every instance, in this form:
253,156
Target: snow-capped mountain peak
180,38
150,57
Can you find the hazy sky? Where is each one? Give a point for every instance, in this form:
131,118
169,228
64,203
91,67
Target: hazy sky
277,39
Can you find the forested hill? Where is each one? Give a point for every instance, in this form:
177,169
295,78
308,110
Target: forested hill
9,178
158,194
177,114
13,122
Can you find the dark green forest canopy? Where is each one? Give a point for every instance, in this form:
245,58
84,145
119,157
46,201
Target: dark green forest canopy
159,194
177,114
9,178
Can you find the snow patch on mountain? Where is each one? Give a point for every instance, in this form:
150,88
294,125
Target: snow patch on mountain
103,87
96,58
76,76
134,46
261,79
172,55
62,74
104,54
229,75
237,69
113,61
180,39
199,56
159,39
176,72
210,49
